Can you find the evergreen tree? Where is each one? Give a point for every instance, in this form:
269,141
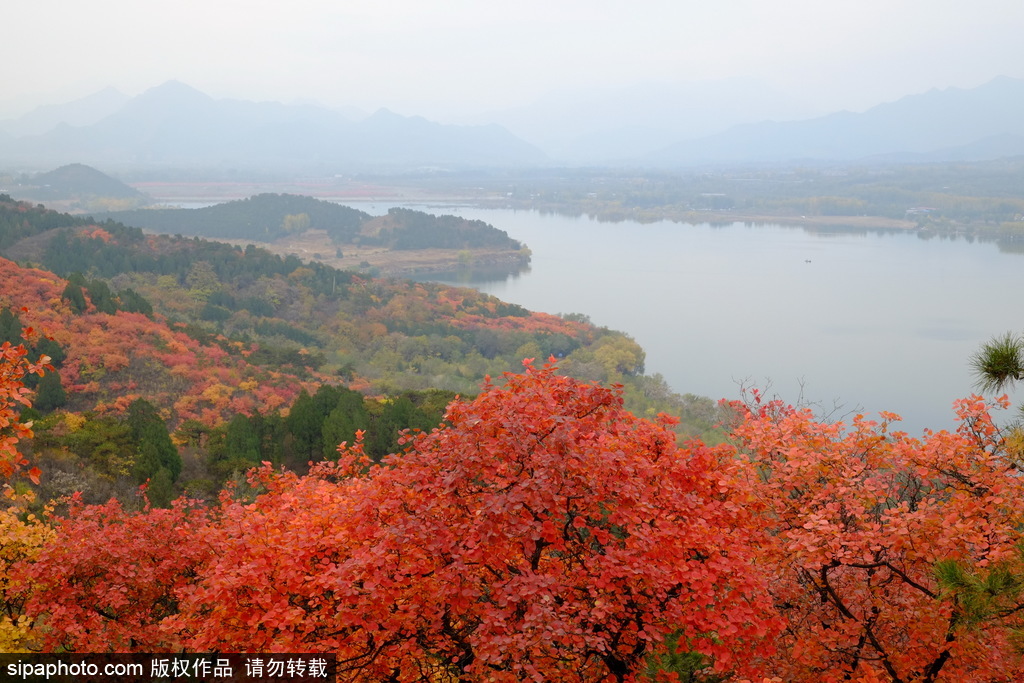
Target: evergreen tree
75,297
304,426
50,393
382,438
160,491
133,302
311,439
242,440
999,363
155,450
271,430
10,327
49,347
347,417
101,296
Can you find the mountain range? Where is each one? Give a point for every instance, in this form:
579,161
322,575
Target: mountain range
734,123
176,125
954,124
602,125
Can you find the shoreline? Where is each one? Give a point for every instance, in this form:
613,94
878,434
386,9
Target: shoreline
189,193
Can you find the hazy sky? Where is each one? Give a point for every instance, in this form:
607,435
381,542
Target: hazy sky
448,58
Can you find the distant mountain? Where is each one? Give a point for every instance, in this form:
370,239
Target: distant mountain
658,125
76,181
174,124
587,125
986,149
82,112
940,125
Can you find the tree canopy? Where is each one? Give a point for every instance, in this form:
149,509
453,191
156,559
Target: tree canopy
541,532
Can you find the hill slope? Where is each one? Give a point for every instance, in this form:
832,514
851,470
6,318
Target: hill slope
307,318
247,356
78,181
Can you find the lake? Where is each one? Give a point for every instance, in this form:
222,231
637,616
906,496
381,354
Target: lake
850,321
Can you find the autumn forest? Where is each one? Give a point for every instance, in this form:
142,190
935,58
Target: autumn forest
212,448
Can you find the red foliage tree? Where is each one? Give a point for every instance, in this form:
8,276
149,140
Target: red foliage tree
542,534
892,558
109,578
14,365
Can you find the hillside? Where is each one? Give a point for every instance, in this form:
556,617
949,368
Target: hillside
274,301
77,180
261,217
112,355
223,341
77,187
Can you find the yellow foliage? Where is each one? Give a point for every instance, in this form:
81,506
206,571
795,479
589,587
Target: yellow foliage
218,394
22,537
215,391
620,355
301,274
15,636
296,222
73,421
1013,442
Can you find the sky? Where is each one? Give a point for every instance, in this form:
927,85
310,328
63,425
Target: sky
446,59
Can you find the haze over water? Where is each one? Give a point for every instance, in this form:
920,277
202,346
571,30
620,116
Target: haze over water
866,321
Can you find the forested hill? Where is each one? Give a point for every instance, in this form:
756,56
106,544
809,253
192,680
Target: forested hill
270,217
213,335
264,217
303,315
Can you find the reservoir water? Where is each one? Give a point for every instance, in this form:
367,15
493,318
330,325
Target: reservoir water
848,321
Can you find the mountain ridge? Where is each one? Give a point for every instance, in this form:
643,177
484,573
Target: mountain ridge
175,124
921,124
82,111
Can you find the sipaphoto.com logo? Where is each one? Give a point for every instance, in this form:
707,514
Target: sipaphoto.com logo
77,670
177,668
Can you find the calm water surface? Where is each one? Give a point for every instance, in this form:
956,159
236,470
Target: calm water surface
865,321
